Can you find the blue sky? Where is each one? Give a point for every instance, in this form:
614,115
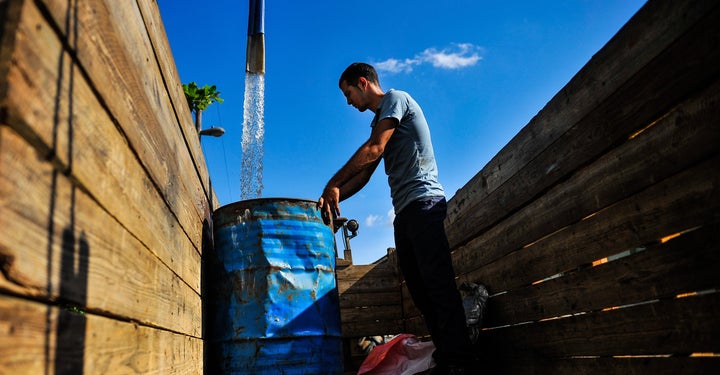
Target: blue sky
480,69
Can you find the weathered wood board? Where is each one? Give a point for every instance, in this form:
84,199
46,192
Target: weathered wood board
591,113
34,343
596,228
369,299
105,198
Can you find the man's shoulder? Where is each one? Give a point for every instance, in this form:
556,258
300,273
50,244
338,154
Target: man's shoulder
397,96
396,93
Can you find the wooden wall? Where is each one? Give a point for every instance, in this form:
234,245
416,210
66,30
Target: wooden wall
596,228
104,193
369,304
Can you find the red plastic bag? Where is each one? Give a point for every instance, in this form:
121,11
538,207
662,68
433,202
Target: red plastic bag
403,355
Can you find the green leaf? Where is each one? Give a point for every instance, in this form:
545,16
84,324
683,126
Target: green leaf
200,98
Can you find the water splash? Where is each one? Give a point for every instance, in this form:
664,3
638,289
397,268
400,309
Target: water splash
252,137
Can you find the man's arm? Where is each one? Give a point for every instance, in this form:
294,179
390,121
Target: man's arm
357,171
349,188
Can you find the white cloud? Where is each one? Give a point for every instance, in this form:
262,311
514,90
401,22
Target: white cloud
466,55
372,220
396,66
455,57
375,220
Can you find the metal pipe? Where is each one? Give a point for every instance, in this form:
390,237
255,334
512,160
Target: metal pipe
255,55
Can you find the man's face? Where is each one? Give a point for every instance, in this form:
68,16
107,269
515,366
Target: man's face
354,95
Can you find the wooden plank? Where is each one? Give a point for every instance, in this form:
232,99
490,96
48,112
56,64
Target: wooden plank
119,61
371,328
629,168
358,271
623,171
49,102
39,339
371,322
606,366
370,299
676,326
38,100
9,17
640,40
684,201
64,16
183,136
166,63
367,279
376,284
578,128
685,264
633,366
368,309
57,244
375,313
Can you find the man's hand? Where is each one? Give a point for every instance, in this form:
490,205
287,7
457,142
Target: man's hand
329,204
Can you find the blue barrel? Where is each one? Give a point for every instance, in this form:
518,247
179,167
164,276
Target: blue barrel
270,295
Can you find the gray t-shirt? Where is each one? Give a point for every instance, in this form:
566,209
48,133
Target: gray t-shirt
409,157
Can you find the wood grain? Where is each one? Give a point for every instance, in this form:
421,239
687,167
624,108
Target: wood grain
50,103
681,139
676,326
33,344
683,265
589,114
57,244
369,296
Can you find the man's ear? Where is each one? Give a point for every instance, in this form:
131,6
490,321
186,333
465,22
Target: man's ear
362,83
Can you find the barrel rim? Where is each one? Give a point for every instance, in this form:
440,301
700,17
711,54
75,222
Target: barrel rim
250,202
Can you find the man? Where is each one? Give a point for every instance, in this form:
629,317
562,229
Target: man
401,136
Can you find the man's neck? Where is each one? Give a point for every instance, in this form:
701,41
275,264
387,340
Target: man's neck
377,96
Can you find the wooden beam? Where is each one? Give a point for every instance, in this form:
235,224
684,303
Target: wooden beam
685,264
628,169
58,244
110,44
651,64
40,339
367,278
640,365
676,326
682,202
52,105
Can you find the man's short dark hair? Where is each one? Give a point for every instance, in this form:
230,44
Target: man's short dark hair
352,74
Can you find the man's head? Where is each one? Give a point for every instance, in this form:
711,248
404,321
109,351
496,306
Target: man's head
352,74
359,83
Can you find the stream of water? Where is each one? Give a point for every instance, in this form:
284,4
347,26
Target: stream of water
251,185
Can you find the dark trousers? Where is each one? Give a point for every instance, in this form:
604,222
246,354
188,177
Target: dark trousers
424,260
